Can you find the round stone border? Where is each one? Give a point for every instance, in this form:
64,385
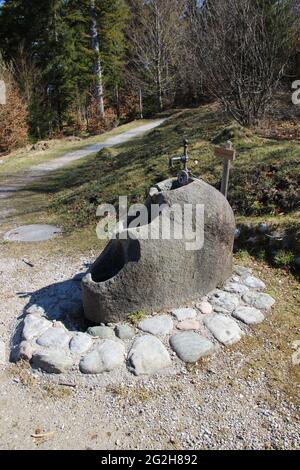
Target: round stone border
155,343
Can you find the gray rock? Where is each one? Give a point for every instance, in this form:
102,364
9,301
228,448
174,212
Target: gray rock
224,301
259,301
34,326
102,332
264,228
147,356
224,329
184,314
136,272
125,332
190,346
205,307
254,283
106,356
188,325
2,352
35,310
160,325
54,338
52,361
296,358
80,343
237,233
295,344
25,351
249,315
241,270
236,288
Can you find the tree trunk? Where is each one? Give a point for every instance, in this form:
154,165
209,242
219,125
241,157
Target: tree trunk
159,88
158,60
141,103
97,63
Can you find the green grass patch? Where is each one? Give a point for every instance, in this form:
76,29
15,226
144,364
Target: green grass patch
135,317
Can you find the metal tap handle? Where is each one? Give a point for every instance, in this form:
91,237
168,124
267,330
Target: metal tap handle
174,159
183,159
185,156
185,146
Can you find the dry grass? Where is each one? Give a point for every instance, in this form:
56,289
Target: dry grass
21,372
57,391
134,394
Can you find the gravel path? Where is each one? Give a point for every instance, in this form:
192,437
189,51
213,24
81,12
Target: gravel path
211,406
38,171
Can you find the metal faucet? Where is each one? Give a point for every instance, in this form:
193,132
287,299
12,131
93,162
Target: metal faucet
183,176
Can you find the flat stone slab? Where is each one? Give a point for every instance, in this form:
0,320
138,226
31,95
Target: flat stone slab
224,329
36,310
34,326
160,325
296,358
249,315
80,343
224,301
184,313
190,346
254,283
52,361
55,338
106,356
241,270
236,287
259,300
205,307
147,356
32,233
26,351
102,332
188,325
295,344
125,332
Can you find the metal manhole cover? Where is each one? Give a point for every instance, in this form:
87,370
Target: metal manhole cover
32,233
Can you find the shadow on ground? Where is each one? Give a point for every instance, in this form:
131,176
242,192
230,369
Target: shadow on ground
61,301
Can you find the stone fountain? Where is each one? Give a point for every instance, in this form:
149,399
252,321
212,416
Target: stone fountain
137,273
175,275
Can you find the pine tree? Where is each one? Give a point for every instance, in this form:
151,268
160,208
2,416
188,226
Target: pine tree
56,35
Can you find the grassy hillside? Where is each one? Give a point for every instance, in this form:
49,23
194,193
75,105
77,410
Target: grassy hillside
264,181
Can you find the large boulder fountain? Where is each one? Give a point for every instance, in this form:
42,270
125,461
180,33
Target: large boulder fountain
136,272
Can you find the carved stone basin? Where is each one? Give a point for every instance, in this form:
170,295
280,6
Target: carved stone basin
136,273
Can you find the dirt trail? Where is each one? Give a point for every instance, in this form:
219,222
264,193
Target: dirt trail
38,171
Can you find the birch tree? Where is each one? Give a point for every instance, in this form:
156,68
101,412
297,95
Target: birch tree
98,89
154,36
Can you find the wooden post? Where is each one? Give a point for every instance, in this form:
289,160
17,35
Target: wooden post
227,153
